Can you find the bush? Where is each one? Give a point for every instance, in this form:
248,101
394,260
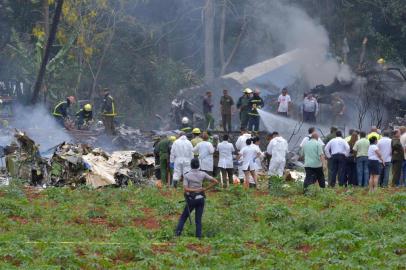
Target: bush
278,212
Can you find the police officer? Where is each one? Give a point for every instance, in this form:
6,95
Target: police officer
256,102
194,196
84,116
243,105
108,112
61,109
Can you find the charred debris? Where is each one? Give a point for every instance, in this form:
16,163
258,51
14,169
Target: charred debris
75,164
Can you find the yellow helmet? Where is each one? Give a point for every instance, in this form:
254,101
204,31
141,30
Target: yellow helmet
196,131
247,90
88,107
381,61
172,138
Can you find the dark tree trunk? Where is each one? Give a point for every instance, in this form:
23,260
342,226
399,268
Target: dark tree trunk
51,38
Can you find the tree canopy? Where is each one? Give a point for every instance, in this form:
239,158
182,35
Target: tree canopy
146,50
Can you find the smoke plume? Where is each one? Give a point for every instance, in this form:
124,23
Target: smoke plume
292,28
40,125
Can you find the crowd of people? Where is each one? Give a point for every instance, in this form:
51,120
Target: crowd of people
218,158
359,159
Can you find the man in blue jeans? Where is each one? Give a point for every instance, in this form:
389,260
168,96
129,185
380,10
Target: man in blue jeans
361,149
194,196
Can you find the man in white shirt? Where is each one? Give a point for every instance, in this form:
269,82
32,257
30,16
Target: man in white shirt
239,145
284,102
277,148
385,147
337,149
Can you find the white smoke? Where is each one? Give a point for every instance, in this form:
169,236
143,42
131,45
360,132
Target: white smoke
40,125
293,28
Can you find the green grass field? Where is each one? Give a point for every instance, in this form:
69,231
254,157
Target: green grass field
132,228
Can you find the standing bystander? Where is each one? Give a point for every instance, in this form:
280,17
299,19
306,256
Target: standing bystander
397,158
226,103
337,149
385,148
207,110
313,162
284,102
361,149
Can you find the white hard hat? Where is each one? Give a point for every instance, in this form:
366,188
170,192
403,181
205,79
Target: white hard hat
247,90
185,120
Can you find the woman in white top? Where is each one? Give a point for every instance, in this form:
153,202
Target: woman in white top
249,155
205,150
226,165
375,161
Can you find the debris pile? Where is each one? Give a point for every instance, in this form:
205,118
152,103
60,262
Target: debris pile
23,159
127,138
75,164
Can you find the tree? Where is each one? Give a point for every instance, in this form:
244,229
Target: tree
209,13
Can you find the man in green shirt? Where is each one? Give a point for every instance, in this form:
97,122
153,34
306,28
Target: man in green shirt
164,148
314,159
226,103
361,147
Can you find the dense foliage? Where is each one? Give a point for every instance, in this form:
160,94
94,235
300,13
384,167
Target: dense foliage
146,50
60,228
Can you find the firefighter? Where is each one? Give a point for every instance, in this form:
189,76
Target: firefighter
196,136
256,102
61,109
84,116
243,105
185,125
108,112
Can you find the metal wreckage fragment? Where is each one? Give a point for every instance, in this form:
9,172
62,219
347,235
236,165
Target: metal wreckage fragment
76,164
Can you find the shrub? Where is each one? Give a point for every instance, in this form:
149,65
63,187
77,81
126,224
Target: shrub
276,212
